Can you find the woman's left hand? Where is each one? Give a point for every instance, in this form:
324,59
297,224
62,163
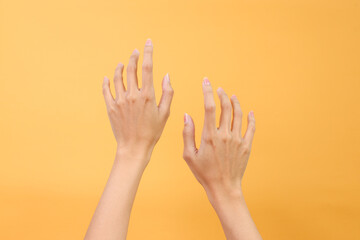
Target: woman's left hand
136,120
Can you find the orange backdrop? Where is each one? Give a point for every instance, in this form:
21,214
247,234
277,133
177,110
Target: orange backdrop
295,63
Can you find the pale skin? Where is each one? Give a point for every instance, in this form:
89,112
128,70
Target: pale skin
220,162
137,122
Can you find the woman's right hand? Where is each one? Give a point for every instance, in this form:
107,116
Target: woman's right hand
220,162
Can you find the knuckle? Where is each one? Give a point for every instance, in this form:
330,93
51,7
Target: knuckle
226,105
252,128
117,75
131,98
246,149
225,137
111,109
238,112
147,66
146,95
120,101
169,91
131,68
238,141
187,155
210,107
208,138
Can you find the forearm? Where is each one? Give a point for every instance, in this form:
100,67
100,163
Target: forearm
111,218
137,123
233,214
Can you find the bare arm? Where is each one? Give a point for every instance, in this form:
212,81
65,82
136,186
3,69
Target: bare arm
220,162
137,123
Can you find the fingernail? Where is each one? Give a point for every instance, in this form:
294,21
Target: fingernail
148,42
219,90
166,81
252,113
135,51
186,118
234,96
206,81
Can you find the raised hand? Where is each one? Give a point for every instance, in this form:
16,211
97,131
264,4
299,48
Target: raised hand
136,120
137,123
220,162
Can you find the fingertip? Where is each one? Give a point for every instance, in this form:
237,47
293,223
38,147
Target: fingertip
234,100
148,49
148,42
120,65
251,114
135,52
206,81
166,82
186,119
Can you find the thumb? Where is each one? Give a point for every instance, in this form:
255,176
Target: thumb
250,131
166,97
189,138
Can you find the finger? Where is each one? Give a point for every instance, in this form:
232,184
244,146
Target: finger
107,93
132,80
209,104
225,117
118,80
166,97
189,138
147,67
237,116
250,131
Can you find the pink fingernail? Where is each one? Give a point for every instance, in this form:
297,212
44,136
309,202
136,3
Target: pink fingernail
135,51
206,81
166,81
148,42
186,118
252,113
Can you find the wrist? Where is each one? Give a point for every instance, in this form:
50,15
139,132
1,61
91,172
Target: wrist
221,195
133,158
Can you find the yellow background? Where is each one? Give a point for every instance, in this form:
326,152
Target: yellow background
295,63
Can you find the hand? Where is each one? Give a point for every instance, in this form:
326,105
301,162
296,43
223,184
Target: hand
136,120
137,123
220,162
